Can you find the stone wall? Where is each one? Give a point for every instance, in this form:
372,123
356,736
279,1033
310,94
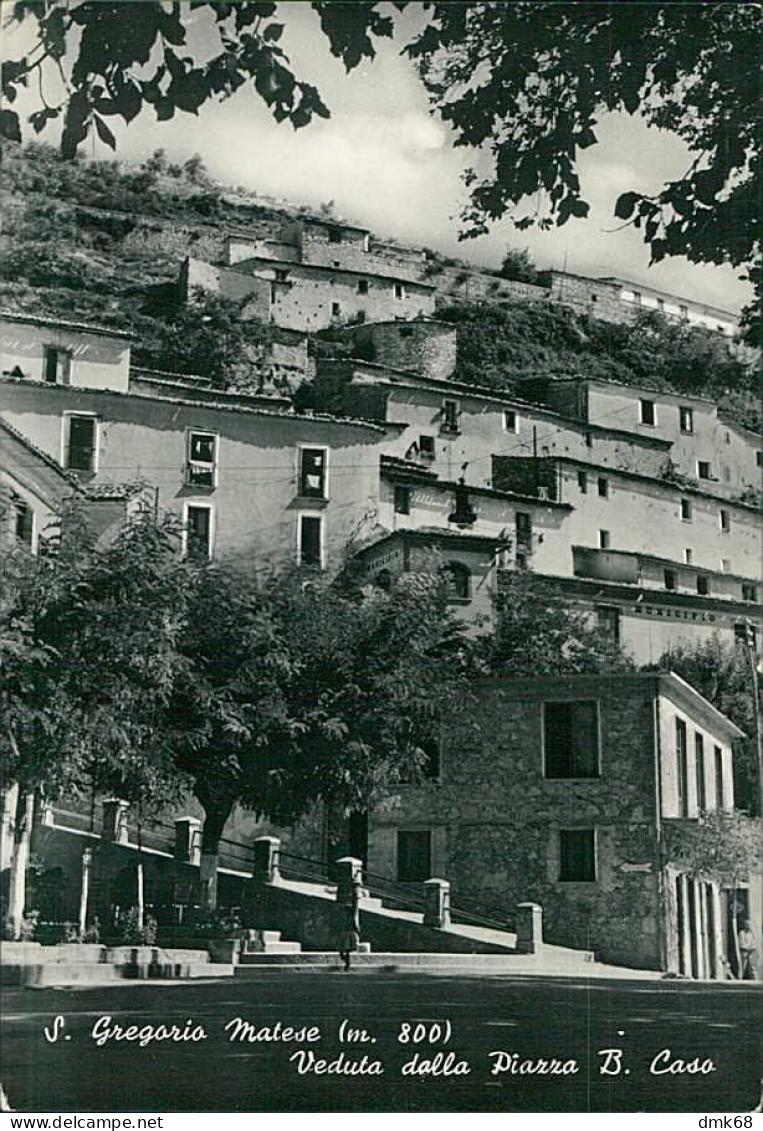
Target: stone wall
428,348
500,817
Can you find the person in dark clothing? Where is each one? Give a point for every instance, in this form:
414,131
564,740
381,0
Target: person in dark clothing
349,932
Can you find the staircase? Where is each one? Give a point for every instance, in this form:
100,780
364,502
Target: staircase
68,964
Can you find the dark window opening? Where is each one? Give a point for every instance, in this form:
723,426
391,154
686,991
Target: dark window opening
703,585
449,416
749,592
23,521
80,448
335,235
571,739
603,539
686,510
458,580
312,473
647,412
336,310
577,855
510,420
58,365
671,581
686,419
362,286
603,486
682,769
199,533
414,856
399,290
699,765
746,634
608,622
704,469
200,471
583,482
725,522
310,540
524,528
426,447
588,440
463,513
402,499
719,793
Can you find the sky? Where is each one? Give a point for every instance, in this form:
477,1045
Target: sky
389,165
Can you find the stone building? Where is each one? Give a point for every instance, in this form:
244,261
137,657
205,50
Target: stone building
559,790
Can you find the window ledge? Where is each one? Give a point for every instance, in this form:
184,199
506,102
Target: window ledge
310,502
575,781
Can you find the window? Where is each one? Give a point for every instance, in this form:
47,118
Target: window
699,768
458,580
23,521
725,565
583,482
335,235
608,622
58,365
745,633
202,458
704,469
571,739
718,759
312,472
670,579
362,286
684,312
431,751
686,510
637,297
749,592
759,458
686,418
449,416
524,528
463,513
336,310
577,856
80,444
510,420
682,781
603,539
414,855
198,532
311,540
725,518
282,274
688,556
426,447
384,580
647,412
399,290
402,502
703,585
603,487
661,304
588,440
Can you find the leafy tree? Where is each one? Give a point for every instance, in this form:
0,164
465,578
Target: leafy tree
538,633
207,336
725,845
530,81
299,691
518,265
721,672
88,657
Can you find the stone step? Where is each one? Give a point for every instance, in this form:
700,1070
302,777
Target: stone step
438,959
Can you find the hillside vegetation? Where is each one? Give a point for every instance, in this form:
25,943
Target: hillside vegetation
85,239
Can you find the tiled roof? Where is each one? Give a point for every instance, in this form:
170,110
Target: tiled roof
63,323
53,464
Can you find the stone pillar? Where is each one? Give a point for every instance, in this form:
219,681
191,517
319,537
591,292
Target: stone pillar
697,928
267,853
684,932
115,821
349,872
188,840
436,903
84,891
716,927
529,927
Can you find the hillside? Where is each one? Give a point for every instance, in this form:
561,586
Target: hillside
101,241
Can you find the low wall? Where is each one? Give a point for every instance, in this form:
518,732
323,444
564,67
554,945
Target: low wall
316,922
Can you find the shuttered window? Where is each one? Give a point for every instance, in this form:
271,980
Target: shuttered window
571,739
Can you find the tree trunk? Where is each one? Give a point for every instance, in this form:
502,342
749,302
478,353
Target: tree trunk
22,835
735,931
215,818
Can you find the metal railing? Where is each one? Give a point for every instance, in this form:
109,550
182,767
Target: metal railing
294,867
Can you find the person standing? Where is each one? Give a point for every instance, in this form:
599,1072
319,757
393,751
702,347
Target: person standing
349,931
748,955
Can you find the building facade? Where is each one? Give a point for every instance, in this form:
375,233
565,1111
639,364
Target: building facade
559,790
